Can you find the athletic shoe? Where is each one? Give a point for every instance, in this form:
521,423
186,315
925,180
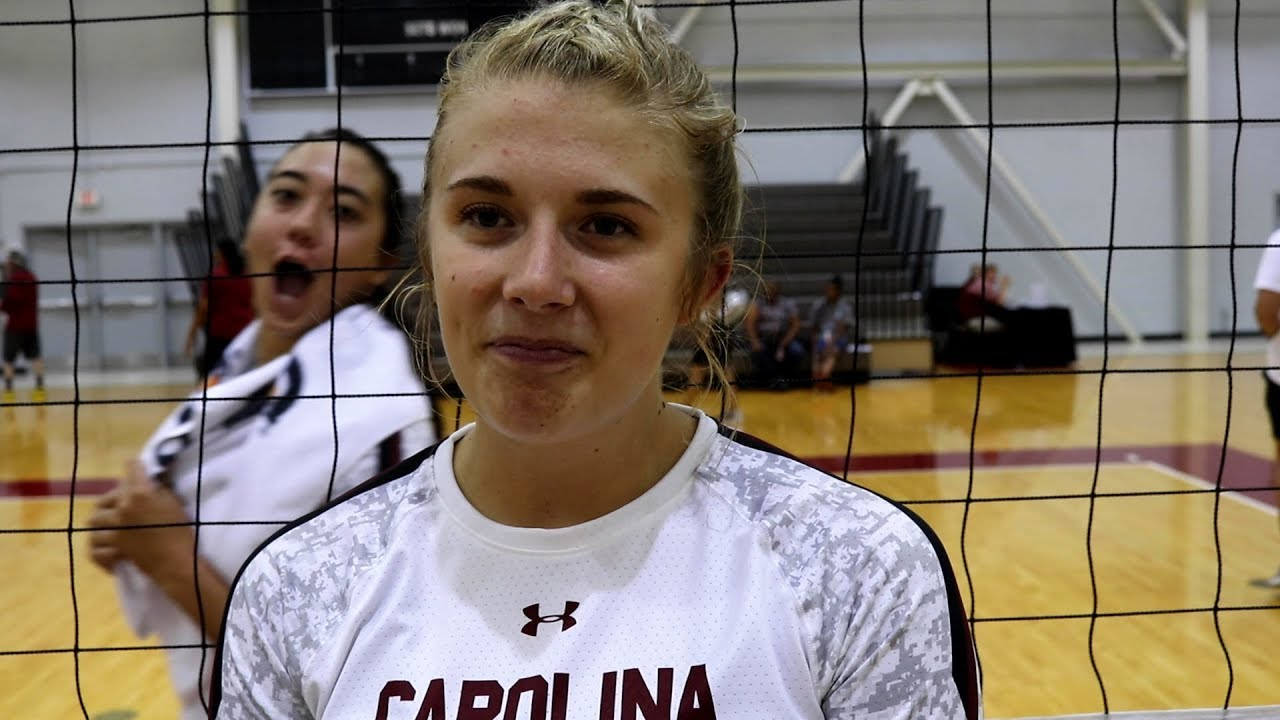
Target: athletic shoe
1267,583
9,397
38,395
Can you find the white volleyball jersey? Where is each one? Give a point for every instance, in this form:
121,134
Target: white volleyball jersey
258,450
744,585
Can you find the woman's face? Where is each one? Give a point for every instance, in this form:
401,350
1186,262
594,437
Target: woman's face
307,206
559,227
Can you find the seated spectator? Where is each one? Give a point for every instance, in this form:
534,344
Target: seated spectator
981,302
831,324
772,324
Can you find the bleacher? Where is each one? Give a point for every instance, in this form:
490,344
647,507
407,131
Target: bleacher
880,234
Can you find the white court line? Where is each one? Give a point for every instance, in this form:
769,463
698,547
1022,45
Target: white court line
1205,485
1270,712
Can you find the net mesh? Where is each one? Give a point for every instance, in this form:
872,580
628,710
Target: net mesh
887,283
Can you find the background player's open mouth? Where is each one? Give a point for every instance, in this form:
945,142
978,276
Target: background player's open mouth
292,278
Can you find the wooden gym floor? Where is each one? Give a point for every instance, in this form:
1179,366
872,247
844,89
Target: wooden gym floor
1027,462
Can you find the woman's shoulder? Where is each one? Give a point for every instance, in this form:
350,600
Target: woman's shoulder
804,508
337,541
363,319
304,581
367,348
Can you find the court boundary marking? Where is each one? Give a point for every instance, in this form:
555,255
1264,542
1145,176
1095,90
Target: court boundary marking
1203,484
1159,468
1190,462
1242,471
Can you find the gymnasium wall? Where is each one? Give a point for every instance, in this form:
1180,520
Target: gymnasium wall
145,82
138,83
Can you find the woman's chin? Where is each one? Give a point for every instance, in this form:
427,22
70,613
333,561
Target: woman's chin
532,417
291,323
290,309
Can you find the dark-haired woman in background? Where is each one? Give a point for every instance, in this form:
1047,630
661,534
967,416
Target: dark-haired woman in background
315,396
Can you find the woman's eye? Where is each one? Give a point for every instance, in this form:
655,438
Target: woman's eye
284,195
483,216
608,226
344,212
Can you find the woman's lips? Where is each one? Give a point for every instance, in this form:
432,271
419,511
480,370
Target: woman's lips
292,279
545,352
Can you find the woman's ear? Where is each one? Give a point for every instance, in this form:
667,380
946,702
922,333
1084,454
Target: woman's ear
718,271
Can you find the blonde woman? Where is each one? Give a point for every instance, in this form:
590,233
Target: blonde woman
585,549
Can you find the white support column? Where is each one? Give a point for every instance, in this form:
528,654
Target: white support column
962,116
1177,42
685,22
226,76
895,111
1195,325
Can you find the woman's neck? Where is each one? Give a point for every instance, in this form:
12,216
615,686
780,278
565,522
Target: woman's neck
563,484
271,344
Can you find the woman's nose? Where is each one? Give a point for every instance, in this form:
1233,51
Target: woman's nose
539,276
305,224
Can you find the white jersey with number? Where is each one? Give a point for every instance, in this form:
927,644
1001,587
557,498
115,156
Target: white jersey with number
744,585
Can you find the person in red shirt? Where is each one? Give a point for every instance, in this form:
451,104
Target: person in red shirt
22,332
224,309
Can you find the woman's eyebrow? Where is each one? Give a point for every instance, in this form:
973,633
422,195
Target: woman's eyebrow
350,190
594,196
287,174
483,183
302,178
606,196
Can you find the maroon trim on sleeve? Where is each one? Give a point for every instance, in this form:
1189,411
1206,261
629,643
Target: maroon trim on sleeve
390,452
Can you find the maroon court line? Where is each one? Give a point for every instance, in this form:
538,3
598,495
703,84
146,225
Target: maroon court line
50,488
1241,469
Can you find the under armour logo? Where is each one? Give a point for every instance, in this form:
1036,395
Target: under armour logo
536,618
